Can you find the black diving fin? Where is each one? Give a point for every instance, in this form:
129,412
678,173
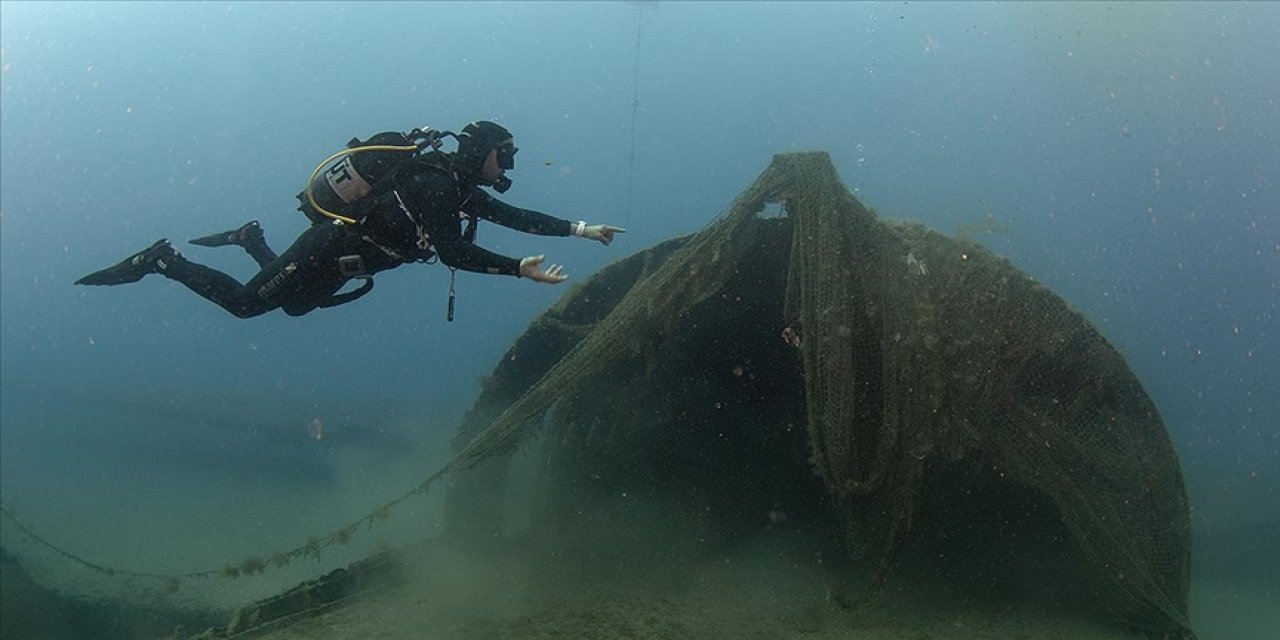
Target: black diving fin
235,236
133,268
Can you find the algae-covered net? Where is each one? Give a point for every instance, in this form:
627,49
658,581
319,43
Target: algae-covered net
915,348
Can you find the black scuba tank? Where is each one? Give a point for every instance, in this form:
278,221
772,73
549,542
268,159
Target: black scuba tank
351,178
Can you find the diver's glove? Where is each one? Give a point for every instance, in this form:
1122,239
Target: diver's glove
531,268
601,233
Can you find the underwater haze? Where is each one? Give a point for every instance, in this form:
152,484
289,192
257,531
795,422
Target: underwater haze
1125,155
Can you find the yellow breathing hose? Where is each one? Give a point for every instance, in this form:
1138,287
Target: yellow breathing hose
312,200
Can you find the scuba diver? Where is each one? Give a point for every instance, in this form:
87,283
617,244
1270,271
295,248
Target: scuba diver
393,199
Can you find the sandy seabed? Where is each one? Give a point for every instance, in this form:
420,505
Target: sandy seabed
437,611
131,512
761,594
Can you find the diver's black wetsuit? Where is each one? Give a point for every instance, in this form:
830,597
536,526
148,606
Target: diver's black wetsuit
419,215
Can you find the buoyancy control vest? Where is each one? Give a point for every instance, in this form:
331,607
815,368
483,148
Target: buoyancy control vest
344,185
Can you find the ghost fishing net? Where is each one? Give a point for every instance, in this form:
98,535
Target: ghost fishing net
914,347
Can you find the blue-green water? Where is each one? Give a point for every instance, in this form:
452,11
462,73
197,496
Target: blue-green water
1127,153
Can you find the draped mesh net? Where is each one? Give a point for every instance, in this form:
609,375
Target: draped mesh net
914,347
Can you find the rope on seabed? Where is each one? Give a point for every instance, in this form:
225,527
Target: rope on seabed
27,531
251,566
474,452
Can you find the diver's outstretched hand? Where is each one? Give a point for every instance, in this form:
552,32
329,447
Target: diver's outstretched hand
531,268
601,233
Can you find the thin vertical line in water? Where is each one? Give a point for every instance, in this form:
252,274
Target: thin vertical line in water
635,111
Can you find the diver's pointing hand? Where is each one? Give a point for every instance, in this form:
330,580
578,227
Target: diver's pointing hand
601,233
531,268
